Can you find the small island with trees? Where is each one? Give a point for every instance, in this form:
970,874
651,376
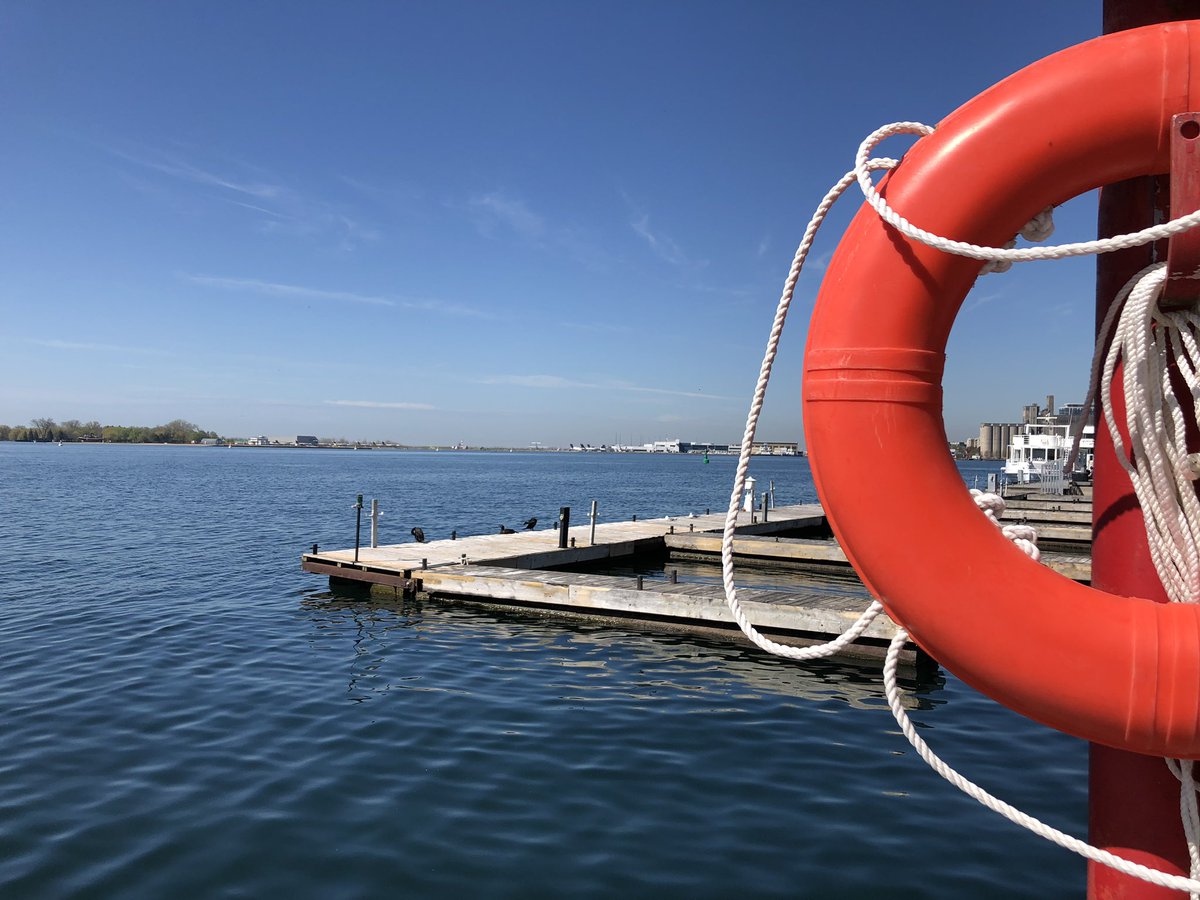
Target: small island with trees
176,431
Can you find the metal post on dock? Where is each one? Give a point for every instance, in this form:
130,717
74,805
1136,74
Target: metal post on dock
314,553
375,523
592,516
564,522
357,524
765,500
771,492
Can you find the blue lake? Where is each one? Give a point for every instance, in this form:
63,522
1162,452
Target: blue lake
183,713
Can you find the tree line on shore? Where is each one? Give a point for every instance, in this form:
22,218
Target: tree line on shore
176,431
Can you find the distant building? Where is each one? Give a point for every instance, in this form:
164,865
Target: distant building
995,437
775,448
294,440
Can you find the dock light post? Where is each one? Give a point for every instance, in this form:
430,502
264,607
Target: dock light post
358,508
748,499
564,522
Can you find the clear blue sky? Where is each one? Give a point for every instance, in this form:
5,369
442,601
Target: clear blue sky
497,223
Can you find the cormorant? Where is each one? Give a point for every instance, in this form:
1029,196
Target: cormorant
530,523
419,535
504,530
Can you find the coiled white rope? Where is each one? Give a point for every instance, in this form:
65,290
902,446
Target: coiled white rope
1173,539
1152,343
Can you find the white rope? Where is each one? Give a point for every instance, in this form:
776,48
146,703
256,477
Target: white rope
739,480
1161,466
1008,254
1024,536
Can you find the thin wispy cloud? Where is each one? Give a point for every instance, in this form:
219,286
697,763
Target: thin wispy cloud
174,166
320,295
664,247
500,208
978,300
91,347
287,291
609,327
380,404
287,211
557,382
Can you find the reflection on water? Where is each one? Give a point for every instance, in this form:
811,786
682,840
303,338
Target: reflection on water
672,661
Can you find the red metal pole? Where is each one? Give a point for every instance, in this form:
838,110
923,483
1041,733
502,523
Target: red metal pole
1133,807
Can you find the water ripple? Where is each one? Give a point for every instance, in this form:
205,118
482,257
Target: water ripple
185,714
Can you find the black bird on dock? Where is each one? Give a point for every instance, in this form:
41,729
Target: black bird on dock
419,535
504,530
530,524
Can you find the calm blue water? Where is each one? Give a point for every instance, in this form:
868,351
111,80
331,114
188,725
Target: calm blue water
183,713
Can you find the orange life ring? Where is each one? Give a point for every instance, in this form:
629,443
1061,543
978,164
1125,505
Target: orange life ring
1117,670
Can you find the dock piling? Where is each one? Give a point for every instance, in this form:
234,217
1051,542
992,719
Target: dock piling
639,582
314,553
358,508
592,516
564,522
375,523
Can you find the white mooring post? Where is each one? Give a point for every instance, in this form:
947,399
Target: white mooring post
374,523
748,500
592,516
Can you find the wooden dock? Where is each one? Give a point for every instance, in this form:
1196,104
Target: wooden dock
530,570
807,553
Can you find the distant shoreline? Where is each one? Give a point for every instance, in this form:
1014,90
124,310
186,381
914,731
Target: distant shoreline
411,448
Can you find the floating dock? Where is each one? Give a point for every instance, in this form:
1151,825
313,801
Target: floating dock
530,570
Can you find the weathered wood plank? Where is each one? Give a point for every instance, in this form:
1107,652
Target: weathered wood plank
801,612
804,550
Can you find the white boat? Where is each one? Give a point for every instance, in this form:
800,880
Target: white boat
1039,451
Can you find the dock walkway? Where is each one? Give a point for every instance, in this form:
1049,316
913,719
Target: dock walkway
529,569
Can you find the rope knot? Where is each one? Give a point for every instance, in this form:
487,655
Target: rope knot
1040,226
